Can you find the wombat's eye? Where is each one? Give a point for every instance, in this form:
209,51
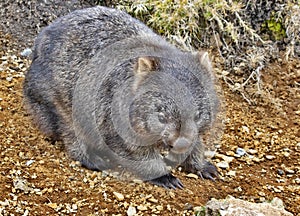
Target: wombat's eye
162,118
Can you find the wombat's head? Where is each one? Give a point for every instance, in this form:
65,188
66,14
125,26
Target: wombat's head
171,102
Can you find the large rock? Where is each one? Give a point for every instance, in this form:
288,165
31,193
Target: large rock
237,207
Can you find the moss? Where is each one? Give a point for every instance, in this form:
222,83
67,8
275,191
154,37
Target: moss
274,28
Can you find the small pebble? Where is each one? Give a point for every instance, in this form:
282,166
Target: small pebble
172,194
286,154
9,79
270,157
240,152
277,190
142,208
137,181
289,171
104,173
119,196
131,211
52,205
188,206
245,129
159,208
277,203
209,154
192,175
28,163
238,189
153,200
231,173
280,172
252,151
74,207
223,165
228,159
297,180
26,52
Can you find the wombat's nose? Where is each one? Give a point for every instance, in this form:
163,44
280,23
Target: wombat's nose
181,145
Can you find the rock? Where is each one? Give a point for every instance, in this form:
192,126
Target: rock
228,159
137,181
252,151
131,211
290,171
9,79
153,200
26,52
159,208
119,196
209,154
22,185
245,129
192,175
240,152
236,207
188,206
142,208
270,157
28,163
231,173
52,205
223,165
280,172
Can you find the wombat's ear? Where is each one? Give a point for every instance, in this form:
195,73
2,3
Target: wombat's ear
204,60
143,67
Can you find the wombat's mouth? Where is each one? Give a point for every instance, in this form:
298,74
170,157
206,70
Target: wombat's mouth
164,147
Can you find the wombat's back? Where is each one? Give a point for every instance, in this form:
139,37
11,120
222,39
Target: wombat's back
75,38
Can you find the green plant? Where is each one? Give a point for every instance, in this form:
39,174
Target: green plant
275,28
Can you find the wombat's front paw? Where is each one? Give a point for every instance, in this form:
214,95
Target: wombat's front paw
207,170
167,181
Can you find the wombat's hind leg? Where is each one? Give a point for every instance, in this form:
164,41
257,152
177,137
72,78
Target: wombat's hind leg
45,117
167,181
89,165
89,159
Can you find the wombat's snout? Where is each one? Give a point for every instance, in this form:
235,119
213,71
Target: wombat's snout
181,145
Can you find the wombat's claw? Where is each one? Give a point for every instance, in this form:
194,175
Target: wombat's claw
167,181
209,171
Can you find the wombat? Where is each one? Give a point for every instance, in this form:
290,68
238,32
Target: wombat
119,95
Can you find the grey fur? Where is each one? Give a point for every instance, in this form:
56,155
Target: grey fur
117,94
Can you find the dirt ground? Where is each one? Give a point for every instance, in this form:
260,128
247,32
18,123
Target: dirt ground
38,178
